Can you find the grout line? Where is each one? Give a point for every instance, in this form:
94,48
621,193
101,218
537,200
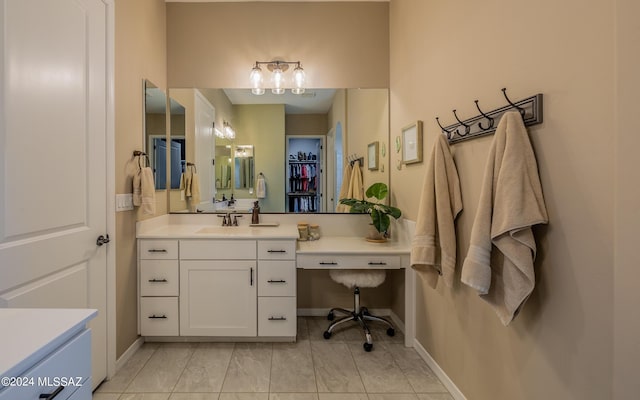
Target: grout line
185,368
226,371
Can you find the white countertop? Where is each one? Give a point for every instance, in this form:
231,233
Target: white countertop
27,335
350,245
191,231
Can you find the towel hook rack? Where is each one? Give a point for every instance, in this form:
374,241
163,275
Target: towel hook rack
489,119
520,109
467,128
446,132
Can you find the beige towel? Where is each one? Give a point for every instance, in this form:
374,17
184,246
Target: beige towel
137,189
195,190
356,190
510,203
148,189
344,188
433,248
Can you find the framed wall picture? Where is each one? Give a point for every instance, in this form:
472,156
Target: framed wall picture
412,143
372,156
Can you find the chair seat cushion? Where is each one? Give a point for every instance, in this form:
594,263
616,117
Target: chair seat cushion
362,278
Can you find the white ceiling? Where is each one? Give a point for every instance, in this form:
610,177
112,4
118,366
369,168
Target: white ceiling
246,1
312,101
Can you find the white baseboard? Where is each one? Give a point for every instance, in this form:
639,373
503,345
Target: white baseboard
129,353
383,312
444,378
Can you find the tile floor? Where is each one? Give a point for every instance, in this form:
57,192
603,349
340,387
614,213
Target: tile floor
310,369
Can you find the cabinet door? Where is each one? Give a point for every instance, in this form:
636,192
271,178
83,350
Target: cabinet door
218,298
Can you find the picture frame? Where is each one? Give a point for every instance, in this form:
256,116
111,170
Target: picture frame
372,156
412,143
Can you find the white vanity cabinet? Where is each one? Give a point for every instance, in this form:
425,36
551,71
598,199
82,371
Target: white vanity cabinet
277,288
218,287
159,287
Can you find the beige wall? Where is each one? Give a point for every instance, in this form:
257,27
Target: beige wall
306,124
626,384
443,56
263,127
140,52
368,118
214,45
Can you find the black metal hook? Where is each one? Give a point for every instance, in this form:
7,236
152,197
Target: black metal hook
489,119
446,132
467,128
521,110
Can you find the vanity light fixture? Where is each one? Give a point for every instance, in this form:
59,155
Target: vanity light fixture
278,80
229,132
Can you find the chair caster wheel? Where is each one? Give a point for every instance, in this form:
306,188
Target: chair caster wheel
330,316
367,346
391,332
326,334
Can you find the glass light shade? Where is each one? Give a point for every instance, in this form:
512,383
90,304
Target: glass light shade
277,78
298,80
218,133
256,81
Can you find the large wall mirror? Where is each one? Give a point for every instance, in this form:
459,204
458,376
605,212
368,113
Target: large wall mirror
297,144
155,131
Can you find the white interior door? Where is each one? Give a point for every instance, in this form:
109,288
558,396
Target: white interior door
205,147
52,167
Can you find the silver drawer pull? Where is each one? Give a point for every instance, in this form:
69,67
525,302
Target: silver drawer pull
276,251
158,317
377,263
53,395
276,281
158,280
157,250
277,318
328,263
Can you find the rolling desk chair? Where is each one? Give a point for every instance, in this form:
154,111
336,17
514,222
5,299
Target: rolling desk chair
356,279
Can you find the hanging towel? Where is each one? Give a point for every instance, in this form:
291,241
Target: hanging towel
195,189
148,190
433,248
261,187
344,188
511,202
356,190
183,196
137,189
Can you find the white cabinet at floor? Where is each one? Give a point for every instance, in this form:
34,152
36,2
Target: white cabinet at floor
159,289
218,281
46,354
276,288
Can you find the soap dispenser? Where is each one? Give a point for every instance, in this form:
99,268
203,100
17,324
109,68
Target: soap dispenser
255,213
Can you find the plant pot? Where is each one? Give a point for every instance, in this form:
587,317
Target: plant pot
374,236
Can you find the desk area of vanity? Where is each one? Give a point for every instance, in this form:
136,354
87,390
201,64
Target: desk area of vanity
200,281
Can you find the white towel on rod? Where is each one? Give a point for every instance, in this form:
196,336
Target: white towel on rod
511,202
261,187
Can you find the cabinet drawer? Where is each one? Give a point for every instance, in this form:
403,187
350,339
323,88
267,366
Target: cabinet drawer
277,249
277,316
276,278
218,249
159,316
71,361
152,249
159,277
332,261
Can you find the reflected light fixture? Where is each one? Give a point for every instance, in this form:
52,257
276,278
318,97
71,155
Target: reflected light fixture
278,79
229,132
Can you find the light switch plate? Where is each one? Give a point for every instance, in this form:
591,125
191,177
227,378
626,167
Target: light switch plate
124,202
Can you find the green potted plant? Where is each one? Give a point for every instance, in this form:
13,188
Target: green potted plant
378,211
